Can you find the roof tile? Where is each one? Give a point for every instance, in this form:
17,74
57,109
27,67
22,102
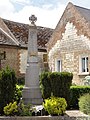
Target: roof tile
20,31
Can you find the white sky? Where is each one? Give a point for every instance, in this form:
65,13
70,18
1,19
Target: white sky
48,12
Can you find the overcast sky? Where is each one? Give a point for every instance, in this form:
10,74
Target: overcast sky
48,12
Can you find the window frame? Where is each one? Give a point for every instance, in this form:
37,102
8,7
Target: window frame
58,65
83,64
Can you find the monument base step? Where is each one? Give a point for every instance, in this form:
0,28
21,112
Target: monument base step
32,95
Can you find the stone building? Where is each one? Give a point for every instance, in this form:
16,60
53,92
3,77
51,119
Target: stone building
13,45
69,46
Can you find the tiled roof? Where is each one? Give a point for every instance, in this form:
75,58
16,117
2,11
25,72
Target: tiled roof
84,12
6,37
20,31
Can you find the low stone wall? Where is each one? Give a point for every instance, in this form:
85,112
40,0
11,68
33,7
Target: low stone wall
34,118
65,117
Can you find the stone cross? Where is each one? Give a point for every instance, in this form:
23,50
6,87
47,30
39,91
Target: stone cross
33,19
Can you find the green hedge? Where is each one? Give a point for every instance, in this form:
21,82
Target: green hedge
7,87
56,84
45,85
75,93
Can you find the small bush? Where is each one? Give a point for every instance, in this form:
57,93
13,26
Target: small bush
21,109
18,93
75,93
84,103
55,105
24,110
11,109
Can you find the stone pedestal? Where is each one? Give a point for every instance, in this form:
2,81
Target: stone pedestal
32,96
31,92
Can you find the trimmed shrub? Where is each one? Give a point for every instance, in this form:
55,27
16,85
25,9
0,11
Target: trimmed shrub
75,93
60,84
84,104
56,84
7,87
45,85
11,109
55,105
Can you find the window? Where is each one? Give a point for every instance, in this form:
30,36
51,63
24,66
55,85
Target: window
84,64
45,62
2,57
58,66
44,57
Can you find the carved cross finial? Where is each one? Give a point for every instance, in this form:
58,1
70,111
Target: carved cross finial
33,19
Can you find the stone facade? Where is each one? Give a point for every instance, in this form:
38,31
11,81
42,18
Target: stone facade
12,58
16,58
70,43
